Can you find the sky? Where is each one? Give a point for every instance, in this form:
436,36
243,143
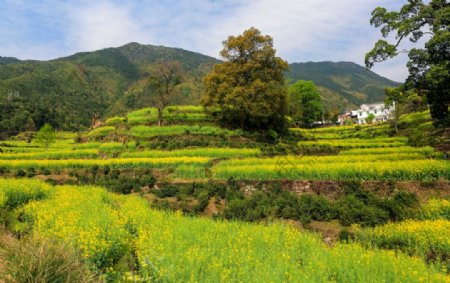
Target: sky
303,30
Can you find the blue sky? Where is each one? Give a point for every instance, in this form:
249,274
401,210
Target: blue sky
303,30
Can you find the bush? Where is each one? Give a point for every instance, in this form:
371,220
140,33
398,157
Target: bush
3,170
317,208
402,205
166,191
31,172
203,200
345,235
353,210
147,180
123,185
21,173
41,260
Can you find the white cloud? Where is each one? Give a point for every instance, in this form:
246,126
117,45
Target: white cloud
97,25
303,30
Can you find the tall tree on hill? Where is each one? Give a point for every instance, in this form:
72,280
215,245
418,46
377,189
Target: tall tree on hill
305,104
247,90
163,81
429,67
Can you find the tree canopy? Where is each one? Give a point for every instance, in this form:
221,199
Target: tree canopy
247,90
305,104
429,67
46,135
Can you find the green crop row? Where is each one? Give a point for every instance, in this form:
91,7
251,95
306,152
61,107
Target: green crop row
426,151
148,132
171,113
167,162
435,209
53,154
373,170
204,152
101,131
327,159
355,143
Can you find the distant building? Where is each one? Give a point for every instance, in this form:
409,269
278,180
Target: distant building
380,112
345,116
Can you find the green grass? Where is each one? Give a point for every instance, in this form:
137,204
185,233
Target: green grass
123,163
426,151
101,132
172,248
356,143
171,114
428,239
199,152
281,168
148,132
52,154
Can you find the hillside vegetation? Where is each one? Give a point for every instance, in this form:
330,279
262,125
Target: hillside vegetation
123,187
159,246
66,91
344,84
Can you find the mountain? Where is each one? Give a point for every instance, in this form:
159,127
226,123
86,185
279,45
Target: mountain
342,84
8,60
67,91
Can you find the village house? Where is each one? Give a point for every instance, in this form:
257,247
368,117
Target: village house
380,113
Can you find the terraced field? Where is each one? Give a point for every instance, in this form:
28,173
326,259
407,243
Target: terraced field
188,161
369,158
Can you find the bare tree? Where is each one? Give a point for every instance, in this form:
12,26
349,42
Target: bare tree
94,122
163,81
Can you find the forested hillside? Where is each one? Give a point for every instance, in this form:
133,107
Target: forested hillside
67,91
343,84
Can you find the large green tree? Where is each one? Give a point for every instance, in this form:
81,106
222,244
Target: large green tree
305,104
429,67
247,90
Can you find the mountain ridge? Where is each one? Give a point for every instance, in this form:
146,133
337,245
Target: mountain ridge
66,91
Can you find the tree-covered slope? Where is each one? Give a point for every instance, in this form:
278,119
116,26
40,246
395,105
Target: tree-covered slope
352,82
8,60
66,91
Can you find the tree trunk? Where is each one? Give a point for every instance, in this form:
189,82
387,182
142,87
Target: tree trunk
160,116
397,117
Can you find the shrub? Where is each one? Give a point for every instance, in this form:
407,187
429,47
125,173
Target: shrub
312,207
353,210
147,180
402,205
21,173
41,260
166,191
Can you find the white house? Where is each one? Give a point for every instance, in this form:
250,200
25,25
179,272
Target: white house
379,110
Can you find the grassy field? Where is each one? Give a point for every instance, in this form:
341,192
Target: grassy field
106,228
157,238
277,168
374,156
